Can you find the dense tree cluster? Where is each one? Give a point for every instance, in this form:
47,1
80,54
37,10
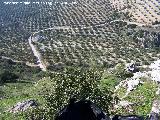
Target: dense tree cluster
10,72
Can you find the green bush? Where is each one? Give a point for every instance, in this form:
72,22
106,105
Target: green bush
121,73
77,83
109,81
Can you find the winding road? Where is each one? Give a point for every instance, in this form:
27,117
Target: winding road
36,53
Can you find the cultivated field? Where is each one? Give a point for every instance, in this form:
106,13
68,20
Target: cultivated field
78,32
142,11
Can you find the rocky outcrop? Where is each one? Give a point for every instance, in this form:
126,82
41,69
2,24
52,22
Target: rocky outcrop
133,82
130,84
155,72
123,104
128,117
155,111
131,67
22,106
81,110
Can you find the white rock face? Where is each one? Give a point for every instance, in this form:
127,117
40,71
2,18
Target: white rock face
155,65
138,75
155,73
26,3
131,67
123,104
121,84
156,106
132,83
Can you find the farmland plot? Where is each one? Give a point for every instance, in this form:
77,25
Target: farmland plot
100,45
24,18
68,32
141,11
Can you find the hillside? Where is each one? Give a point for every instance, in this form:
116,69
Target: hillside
96,27
97,49
145,12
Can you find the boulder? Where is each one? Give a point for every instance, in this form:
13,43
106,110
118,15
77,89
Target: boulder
158,91
22,106
155,111
127,117
123,104
131,67
81,110
155,70
132,84
153,116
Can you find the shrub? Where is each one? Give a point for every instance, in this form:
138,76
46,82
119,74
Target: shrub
7,76
77,83
109,81
121,73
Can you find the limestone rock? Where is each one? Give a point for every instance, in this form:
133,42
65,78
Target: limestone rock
22,106
128,117
81,110
158,91
123,104
156,106
131,67
155,111
155,73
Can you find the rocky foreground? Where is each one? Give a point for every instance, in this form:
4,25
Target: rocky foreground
152,74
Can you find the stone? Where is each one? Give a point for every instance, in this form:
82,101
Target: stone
155,73
22,106
155,111
156,106
123,104
158,91
81,110
131,84
127,117
131,67
153,116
